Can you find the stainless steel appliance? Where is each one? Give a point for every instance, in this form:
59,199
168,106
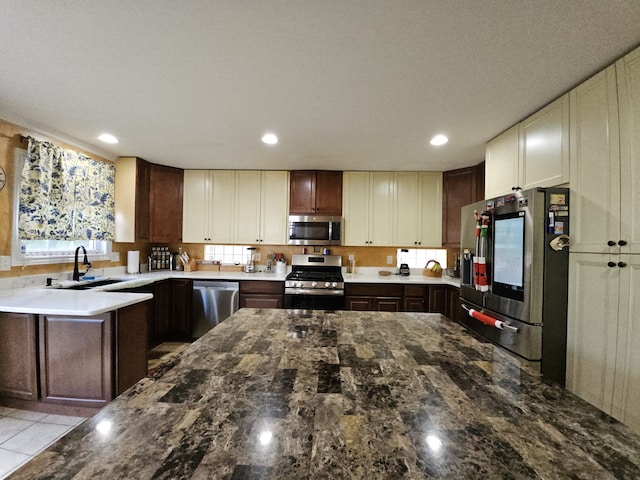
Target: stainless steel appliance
213,302
315,230
515,274
315,283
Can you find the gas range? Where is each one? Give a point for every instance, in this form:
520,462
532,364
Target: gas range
315,275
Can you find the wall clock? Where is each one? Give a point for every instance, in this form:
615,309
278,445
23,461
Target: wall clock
3,178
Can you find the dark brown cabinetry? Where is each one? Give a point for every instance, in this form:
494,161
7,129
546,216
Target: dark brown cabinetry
148,201
459,188
261,294
315,192
182,291
438,299
373,296
415,298
18,364
453,304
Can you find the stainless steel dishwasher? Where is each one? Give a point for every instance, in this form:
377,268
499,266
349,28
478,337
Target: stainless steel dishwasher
213,302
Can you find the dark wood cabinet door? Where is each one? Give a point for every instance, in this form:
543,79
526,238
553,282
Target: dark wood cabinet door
162,312
438,299
459,188
453,304
131,344
315,192
414,304
302,192
165,204
76,360
383,304
328,193
181,319
261,301
359,304
18,363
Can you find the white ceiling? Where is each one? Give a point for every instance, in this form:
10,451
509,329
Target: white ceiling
352,84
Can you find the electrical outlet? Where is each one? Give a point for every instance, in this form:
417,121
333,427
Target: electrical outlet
115,256
352,257
258,256
5,263
390,260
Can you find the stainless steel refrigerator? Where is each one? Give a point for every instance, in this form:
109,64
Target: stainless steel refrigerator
514,272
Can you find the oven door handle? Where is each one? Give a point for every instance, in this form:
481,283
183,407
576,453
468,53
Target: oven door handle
312,291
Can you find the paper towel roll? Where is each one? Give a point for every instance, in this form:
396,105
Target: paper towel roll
133,261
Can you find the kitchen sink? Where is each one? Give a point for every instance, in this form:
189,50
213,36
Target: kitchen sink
93,284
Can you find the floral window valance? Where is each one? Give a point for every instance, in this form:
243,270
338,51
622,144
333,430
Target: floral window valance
65,195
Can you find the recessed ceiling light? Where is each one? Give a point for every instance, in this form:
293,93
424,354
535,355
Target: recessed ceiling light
108,138
269,139
439,140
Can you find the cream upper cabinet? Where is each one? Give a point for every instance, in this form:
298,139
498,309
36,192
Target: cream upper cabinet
532,153
628,80
544,146
595,165
501,163
417,209
368,208
262,201
208,206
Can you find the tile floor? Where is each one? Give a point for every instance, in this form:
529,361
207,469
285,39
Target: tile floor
25,434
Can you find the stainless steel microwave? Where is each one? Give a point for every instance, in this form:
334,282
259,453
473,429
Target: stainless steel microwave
315,230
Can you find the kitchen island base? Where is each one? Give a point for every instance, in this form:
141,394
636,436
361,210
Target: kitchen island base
316,394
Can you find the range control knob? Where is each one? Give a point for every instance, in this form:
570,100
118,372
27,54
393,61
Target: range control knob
334,284
314,284
327,284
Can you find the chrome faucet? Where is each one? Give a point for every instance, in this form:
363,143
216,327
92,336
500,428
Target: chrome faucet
85,261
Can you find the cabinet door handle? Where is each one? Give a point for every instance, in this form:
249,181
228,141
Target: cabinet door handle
611,243
622,264
622,243
611,264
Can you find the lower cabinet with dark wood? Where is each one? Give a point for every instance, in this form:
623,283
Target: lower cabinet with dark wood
373,296
182,292
80,362
438,299
453,304
261,294
18,362
416,298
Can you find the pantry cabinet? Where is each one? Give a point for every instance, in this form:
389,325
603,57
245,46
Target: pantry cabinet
532,153
603,358
417,209
315,192
368,208
208,206
148,200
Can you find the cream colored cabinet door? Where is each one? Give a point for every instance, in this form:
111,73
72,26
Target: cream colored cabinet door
247,202
380,208
355,208
628,79
274,205
407,194
595,165
544,146
196,204
626,404
592,328
221,214
501,163
430,210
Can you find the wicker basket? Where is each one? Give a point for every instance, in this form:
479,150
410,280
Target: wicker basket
428,273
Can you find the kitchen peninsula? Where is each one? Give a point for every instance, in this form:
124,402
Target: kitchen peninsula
292,394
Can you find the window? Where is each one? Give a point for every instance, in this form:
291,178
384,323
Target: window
227,254
418,257
37,252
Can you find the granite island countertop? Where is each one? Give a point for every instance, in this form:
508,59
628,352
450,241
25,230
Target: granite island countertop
287,395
